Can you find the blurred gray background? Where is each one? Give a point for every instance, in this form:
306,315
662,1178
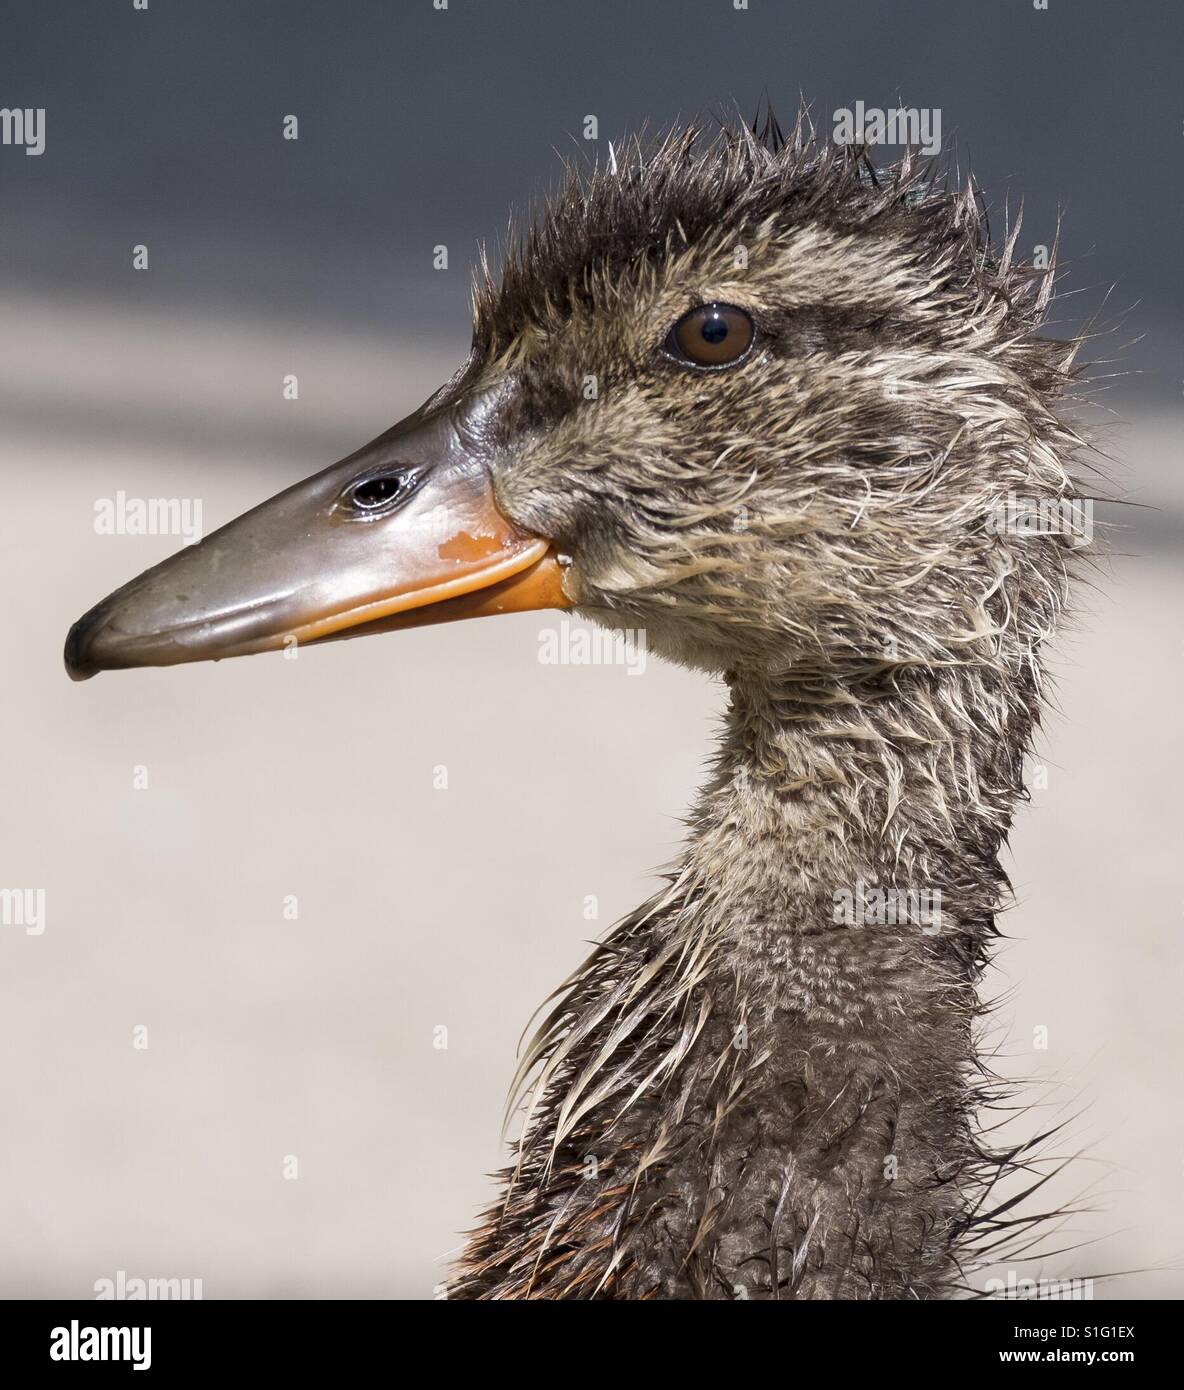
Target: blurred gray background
266,778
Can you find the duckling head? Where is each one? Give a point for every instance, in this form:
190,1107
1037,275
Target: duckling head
752,394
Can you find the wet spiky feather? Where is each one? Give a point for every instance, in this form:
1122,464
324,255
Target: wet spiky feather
738,1095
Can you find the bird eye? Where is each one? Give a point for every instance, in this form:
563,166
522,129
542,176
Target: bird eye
713,335
381,492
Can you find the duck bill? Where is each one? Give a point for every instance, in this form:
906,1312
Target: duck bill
404,532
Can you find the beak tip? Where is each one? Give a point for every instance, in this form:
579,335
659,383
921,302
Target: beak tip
79,667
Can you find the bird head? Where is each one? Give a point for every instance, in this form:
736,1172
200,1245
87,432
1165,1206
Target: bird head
749,393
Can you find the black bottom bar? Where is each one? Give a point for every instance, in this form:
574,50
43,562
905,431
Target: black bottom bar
174,1342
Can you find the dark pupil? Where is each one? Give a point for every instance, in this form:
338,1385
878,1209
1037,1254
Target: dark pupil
376,492
715,330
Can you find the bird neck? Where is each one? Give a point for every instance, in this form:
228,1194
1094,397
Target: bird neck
835,903
762,1083
867,803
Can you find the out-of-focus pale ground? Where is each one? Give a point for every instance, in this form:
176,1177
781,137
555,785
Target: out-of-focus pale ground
421,908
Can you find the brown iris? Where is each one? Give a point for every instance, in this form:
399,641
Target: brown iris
713,335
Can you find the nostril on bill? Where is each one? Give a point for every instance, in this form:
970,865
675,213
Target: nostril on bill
382,491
